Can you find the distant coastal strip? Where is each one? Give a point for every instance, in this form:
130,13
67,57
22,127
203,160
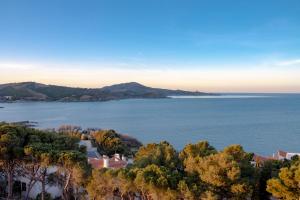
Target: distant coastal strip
25,123
223,96
32,91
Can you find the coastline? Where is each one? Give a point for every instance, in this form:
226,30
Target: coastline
104,100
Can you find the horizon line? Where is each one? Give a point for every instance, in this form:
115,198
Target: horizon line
216,92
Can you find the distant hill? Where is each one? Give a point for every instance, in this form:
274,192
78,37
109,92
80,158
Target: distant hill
32,91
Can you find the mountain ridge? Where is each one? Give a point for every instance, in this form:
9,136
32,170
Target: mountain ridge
33,91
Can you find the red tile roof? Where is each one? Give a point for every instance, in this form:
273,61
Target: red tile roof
114,163
282,153
258,158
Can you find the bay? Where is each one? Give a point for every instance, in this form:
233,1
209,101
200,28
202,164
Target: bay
261,123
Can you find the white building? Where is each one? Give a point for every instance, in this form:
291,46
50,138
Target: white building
97,161
53,190
290,155
94,158
281,155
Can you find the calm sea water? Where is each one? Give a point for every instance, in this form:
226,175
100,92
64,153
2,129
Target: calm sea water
262,124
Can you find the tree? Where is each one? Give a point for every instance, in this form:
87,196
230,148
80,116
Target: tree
187,190
73,131
100,186
162,154
287,185
192,152
73,168
192,187
268,170
39,154
124,181
156,182
35,167
109,142
154,175
12,142
225,174
44,151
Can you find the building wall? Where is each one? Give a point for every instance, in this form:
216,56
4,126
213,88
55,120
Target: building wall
290,155
54,190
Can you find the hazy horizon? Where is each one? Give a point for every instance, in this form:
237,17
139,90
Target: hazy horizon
160,87
210,46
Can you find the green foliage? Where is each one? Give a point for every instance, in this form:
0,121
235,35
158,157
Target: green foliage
159,172
47,196
13,139
101,186
16,93
295,159
131,143
156,176
12,142
69,130
157,181
72,173
237,153
185,190
202,149
162,154
191,153
286,186
109,142
226,174
30,152
42,92
59,92
269,169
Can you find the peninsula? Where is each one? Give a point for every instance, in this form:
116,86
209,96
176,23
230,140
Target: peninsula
32,91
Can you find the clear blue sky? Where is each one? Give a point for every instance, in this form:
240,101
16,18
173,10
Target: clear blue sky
142,40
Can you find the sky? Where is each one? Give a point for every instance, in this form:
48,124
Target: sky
205,45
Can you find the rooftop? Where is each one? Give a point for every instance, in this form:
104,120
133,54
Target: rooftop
114,163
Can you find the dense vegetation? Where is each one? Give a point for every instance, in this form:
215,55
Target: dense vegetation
159,172
109,142
199,171
30,153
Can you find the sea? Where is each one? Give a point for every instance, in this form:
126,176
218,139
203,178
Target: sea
261,123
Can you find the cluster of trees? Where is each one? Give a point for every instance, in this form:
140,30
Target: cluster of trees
287,184
199,171
109,142
32,153
159,172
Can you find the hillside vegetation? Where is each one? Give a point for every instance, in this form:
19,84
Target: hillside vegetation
32,91
159,172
